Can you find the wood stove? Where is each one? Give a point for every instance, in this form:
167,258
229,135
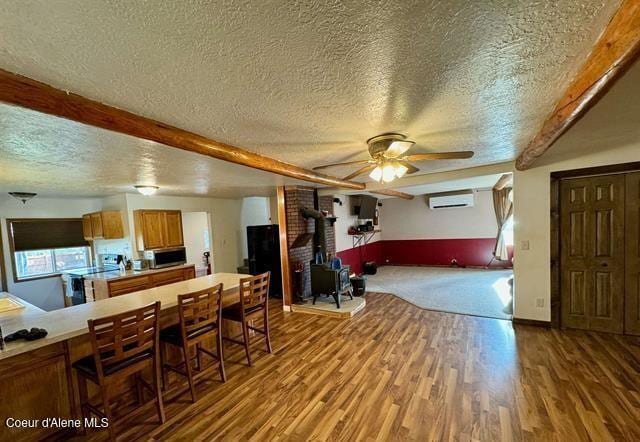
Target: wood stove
330,282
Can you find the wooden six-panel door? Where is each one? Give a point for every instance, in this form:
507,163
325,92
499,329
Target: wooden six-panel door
632,240
593,253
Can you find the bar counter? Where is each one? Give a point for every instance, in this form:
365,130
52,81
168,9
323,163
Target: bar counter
36,378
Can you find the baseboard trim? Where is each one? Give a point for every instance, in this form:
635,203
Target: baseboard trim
533,322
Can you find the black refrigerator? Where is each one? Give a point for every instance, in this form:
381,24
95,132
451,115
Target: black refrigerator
264,255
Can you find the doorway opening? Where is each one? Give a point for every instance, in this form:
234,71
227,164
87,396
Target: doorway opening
197,240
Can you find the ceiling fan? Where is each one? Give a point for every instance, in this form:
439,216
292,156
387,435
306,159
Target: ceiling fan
388,161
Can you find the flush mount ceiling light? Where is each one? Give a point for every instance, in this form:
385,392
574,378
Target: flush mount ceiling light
389,158
23,196
147,190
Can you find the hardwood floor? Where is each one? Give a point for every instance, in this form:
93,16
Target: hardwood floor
396,372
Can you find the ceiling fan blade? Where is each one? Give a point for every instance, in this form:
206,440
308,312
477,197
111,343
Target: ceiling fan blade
439,156
365,169
397,148
411,168
347,163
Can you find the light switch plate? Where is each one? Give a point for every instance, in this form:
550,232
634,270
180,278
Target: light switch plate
524,245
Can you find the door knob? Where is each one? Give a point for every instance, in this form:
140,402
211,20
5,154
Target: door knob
604,264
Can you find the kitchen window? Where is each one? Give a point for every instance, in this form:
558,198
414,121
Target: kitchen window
45,247
34,263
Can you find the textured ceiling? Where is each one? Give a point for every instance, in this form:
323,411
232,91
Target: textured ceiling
303,81
57,157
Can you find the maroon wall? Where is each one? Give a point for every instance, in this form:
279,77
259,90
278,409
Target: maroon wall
356,256
475,252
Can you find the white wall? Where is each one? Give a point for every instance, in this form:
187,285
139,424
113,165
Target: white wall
412,219
255,212
45,293
225,223
533,224
345,220
195,226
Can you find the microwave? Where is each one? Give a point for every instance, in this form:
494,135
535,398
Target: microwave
160,258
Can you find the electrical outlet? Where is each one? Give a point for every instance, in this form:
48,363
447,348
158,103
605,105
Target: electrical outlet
540,302
524,245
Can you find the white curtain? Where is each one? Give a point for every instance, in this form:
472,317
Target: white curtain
503,207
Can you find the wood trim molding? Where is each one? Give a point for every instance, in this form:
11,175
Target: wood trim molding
531,322
391,192
608,169
555,300
616,49
25,92
287,291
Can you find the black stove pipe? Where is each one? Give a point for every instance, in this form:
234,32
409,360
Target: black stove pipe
320,235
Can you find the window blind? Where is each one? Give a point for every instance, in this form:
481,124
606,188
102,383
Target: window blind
39,233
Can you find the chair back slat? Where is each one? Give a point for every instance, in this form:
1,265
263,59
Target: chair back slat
254,291
122,336
199,309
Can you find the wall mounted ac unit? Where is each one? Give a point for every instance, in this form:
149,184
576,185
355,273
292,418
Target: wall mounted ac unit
450,200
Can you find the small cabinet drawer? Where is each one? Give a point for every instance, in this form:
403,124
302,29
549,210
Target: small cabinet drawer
124,286
168,277
189,273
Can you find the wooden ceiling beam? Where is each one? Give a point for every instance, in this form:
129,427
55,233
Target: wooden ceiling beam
25,92
616,49
391,192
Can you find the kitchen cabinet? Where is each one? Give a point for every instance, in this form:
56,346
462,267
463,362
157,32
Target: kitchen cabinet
158,229
168,277
104,286
174,229
128,285
102,225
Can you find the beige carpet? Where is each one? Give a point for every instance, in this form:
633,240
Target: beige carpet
476,292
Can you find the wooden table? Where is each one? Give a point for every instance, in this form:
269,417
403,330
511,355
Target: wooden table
36,377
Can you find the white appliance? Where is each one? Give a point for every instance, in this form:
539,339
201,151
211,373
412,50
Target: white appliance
451,200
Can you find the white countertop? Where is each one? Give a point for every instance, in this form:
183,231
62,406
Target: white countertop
118,274
27,310
70,322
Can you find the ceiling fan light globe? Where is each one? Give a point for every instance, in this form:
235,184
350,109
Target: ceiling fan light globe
401,170
398,147
376,174
388,173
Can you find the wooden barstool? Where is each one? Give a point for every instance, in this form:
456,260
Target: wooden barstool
123,345
200,316
254,302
